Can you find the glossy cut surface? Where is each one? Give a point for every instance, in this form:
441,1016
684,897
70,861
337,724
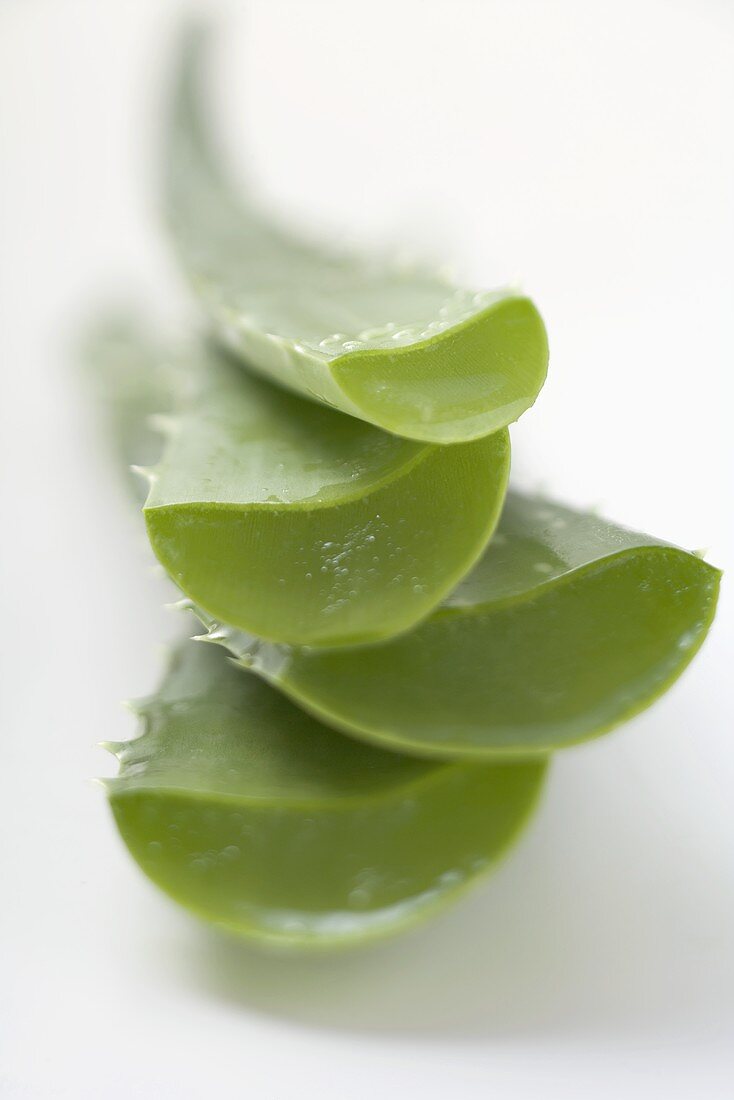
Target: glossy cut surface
404,350
301,525
257,817
567,626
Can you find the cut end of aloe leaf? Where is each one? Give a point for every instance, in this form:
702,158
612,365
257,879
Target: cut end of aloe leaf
403,350
304,526
567,626
470,380
258,818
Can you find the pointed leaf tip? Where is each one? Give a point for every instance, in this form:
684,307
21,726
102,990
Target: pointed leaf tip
97,781
113,747
144,472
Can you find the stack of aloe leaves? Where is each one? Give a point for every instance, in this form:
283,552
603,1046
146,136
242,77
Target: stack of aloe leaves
396,644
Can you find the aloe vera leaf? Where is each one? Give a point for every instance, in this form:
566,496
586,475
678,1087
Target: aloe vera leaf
126,364
254,815
404,350
301,525
567,626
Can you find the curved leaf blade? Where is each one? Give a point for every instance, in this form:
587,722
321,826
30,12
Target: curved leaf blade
568,626
302,525
255,816
401,349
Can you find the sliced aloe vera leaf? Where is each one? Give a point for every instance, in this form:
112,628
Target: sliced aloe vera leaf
301,525
254,815
404,350
567,626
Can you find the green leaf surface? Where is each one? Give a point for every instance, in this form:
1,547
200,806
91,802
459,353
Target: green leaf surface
402,349
127,365
567,626
301,525
255,816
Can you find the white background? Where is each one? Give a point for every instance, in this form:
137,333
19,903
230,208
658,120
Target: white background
585,147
